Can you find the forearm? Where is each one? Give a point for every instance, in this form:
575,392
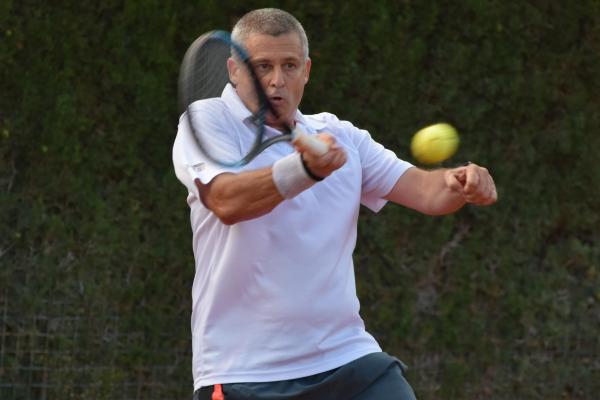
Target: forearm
438,197
444,191
426,192
238,197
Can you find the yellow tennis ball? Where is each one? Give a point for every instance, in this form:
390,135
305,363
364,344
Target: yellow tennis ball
434,143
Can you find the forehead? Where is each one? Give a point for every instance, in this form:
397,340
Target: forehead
287,45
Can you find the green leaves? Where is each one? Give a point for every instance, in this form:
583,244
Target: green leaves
94,229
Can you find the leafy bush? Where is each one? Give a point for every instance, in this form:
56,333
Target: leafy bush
497,302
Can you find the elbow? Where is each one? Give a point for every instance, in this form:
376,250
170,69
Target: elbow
439,213
229,207
228,220
231,214
438,210
227,215
217,202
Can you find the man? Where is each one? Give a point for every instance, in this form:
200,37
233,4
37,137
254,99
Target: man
275,313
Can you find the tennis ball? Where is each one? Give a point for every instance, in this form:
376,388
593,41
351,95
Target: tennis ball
434,143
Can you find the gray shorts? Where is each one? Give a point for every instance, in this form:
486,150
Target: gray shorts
374,376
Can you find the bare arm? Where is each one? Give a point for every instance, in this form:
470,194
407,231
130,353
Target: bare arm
444,191
238,197
247,195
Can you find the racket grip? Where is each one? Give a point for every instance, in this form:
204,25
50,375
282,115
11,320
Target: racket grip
312,143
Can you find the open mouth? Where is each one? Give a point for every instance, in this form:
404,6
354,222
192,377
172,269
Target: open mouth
276,100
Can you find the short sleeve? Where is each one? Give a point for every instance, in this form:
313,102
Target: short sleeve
381,169
188,160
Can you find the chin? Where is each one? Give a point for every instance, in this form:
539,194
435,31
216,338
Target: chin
279,122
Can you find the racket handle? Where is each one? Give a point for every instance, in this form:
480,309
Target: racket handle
314,145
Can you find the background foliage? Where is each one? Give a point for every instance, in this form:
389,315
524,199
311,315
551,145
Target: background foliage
96,264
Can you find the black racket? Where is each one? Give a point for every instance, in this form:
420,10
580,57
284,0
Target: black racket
203,75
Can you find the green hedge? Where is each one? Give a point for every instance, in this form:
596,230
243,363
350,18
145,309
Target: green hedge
95,245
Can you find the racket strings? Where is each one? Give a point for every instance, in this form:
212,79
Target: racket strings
204,75
210,64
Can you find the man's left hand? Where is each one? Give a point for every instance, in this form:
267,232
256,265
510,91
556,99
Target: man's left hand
474,183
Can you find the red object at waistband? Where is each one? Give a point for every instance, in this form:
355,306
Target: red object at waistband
217,393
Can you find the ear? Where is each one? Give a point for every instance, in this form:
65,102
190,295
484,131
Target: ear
234,71
307,70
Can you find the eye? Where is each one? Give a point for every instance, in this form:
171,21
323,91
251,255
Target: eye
290,66
261,67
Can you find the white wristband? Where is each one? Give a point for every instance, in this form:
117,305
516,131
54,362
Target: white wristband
290,177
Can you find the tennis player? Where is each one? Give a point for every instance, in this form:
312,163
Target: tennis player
275,311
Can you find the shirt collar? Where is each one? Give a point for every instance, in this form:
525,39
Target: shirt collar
312,124
240,111
235,104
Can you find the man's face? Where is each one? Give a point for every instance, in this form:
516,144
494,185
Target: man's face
281,68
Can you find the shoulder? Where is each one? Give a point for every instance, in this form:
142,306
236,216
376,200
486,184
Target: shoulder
322,119
344,131
331,123
207,106
202,113
206,114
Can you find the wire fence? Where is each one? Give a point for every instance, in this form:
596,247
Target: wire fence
57,353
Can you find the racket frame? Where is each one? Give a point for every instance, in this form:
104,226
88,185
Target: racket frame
290,134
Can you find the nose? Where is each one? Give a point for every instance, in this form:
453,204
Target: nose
277,77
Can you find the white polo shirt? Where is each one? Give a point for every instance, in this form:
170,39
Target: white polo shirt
274,297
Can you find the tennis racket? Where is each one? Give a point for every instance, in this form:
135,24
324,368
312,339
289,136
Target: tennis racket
203,75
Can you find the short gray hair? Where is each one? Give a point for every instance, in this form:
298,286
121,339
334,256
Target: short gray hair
269,21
